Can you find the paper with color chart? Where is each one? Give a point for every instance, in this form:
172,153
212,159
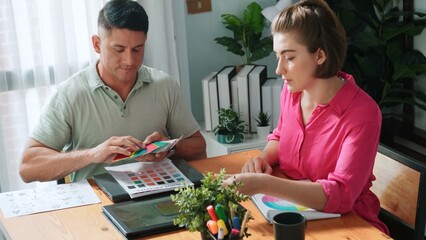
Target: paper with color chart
155,147
270,206
54,197
145,178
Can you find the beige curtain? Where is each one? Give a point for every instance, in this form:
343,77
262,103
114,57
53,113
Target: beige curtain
43,43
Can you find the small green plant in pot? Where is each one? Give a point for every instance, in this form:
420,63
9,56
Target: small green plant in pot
230,129
247,40
193,202
263,119
263,124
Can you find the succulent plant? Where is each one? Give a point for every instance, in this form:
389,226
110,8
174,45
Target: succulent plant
263,119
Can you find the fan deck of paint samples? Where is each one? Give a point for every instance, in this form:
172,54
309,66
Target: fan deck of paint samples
155,147
143,178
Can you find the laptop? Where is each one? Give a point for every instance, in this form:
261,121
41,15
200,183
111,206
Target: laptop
143,217
117,194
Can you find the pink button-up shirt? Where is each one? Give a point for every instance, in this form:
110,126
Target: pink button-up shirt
336,148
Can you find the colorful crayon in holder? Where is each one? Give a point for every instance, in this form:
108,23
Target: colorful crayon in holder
221,234
221,224
225,227
212,226
236,223
212,213
220,212
234,235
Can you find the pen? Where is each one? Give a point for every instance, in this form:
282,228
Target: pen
236,223
212,226
220,212
212,213
221,234
231,210
221,224
235,233
243,224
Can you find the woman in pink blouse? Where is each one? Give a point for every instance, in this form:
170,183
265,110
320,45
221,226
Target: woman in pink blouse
328,130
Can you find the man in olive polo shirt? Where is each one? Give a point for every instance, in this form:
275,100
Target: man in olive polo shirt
110,107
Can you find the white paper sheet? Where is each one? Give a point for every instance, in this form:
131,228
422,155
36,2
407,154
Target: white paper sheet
29,201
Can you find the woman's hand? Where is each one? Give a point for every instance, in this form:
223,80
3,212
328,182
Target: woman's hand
251,183
256,165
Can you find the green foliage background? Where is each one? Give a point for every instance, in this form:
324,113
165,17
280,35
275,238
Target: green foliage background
378,58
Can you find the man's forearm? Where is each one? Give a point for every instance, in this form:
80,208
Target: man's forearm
191,148
44,164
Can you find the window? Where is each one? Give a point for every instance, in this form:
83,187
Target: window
44,41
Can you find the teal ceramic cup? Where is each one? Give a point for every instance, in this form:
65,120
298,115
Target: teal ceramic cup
289,226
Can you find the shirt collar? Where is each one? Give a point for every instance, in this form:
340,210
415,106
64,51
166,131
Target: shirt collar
95,81
343,98
345,95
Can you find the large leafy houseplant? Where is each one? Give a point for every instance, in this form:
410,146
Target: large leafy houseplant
193,202
247,40
377,55
230,126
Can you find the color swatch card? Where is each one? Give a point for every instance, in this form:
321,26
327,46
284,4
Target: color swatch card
43,199
155,147
143,178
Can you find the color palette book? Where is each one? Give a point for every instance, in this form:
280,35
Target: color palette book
270,206
143,178
155,147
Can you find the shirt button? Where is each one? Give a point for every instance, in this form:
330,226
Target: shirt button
124,107
115,96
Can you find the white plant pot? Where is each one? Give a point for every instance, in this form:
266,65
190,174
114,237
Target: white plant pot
263,132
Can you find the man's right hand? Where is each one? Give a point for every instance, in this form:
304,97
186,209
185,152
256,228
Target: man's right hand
41,163
106,151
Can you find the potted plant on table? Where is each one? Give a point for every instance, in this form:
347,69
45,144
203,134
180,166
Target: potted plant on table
193,203
263,124
230,129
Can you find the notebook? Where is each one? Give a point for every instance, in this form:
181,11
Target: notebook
117,193
139,218
270,206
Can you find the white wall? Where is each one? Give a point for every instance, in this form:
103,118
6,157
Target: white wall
204,55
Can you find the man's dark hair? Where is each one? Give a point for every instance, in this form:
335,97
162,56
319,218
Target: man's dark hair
123,14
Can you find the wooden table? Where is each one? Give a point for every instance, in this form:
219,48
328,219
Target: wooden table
88,222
